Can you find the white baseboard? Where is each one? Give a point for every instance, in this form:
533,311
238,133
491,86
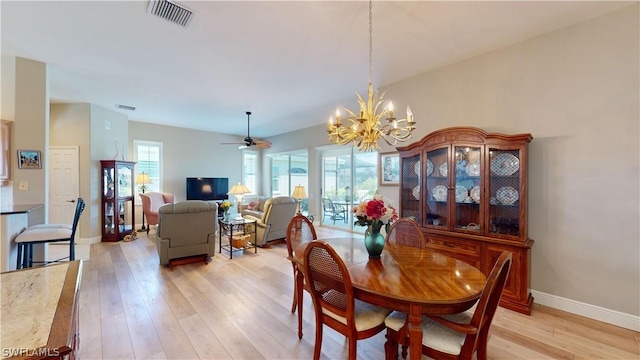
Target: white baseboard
89,241
609,316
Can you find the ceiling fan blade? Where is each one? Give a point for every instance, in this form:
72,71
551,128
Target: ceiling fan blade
232,143
262,144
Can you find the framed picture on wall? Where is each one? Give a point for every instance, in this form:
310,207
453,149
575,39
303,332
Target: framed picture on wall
29,159
388,169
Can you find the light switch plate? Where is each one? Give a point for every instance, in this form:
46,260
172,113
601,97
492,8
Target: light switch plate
23,186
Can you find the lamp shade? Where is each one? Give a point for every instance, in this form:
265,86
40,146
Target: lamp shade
299,192
238,189
143,178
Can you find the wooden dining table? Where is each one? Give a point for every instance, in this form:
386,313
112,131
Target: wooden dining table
408,279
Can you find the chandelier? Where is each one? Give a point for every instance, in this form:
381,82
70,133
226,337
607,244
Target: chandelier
366,129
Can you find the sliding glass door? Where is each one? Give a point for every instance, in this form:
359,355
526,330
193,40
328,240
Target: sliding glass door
289,171
348,178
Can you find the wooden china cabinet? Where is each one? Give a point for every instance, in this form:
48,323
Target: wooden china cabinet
468,191
118,215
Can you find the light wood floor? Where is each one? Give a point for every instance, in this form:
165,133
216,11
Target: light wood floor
131,308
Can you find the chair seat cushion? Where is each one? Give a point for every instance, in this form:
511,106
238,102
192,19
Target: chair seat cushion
367,316
435,335
255,213
44,234
49,226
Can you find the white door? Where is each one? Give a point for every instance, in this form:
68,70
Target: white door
63,183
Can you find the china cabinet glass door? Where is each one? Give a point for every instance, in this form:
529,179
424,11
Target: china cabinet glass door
108,203
437,188
505,192
411,187
467,188
125,174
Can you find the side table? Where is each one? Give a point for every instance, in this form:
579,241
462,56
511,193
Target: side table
237,226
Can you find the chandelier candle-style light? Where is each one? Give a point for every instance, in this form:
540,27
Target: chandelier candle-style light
365,130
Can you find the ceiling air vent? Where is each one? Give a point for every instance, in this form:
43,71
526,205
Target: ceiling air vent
125,107
170,11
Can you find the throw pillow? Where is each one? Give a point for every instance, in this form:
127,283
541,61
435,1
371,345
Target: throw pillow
254,205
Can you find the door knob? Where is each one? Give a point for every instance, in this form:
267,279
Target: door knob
71,201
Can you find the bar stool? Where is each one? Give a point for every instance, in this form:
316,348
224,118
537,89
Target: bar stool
46,233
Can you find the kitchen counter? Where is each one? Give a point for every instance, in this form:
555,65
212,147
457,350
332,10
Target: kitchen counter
13,219
40,311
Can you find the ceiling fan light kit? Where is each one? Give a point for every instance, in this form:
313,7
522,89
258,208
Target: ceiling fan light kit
248,140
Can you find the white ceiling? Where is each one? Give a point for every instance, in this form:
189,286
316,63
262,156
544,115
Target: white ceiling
288,62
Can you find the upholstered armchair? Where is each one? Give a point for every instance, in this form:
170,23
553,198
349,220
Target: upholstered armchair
272,225
186,228
151,202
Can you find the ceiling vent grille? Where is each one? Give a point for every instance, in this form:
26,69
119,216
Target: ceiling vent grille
170,11
125,107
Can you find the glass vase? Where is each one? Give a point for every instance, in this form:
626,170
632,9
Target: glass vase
374,242
226,215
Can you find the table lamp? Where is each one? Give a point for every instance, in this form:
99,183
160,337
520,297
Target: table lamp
239,190
143,179
299,194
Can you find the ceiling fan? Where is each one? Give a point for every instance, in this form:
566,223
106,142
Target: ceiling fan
248,141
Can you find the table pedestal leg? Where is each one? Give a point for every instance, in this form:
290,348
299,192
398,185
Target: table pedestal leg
415,332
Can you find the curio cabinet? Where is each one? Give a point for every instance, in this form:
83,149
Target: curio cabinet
118,216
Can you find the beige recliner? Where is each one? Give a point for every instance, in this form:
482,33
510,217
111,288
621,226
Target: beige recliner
186,228
277,213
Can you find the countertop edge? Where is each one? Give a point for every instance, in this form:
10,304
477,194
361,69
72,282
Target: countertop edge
19,209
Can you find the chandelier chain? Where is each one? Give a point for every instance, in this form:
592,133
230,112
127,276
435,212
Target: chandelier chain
370,40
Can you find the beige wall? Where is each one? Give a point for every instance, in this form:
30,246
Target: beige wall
30,129
576,91
189,153
103,147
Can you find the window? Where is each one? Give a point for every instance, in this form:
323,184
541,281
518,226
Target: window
148,155
288,171
250,171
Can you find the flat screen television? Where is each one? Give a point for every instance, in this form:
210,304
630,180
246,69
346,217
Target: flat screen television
207,188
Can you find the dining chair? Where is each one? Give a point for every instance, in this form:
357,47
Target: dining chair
406,231
300,230
456,336
334,211
46,233
334,302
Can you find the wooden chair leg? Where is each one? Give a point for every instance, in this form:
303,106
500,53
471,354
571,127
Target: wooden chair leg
294,305
299,295
317,348
353,347
481,352
390,346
